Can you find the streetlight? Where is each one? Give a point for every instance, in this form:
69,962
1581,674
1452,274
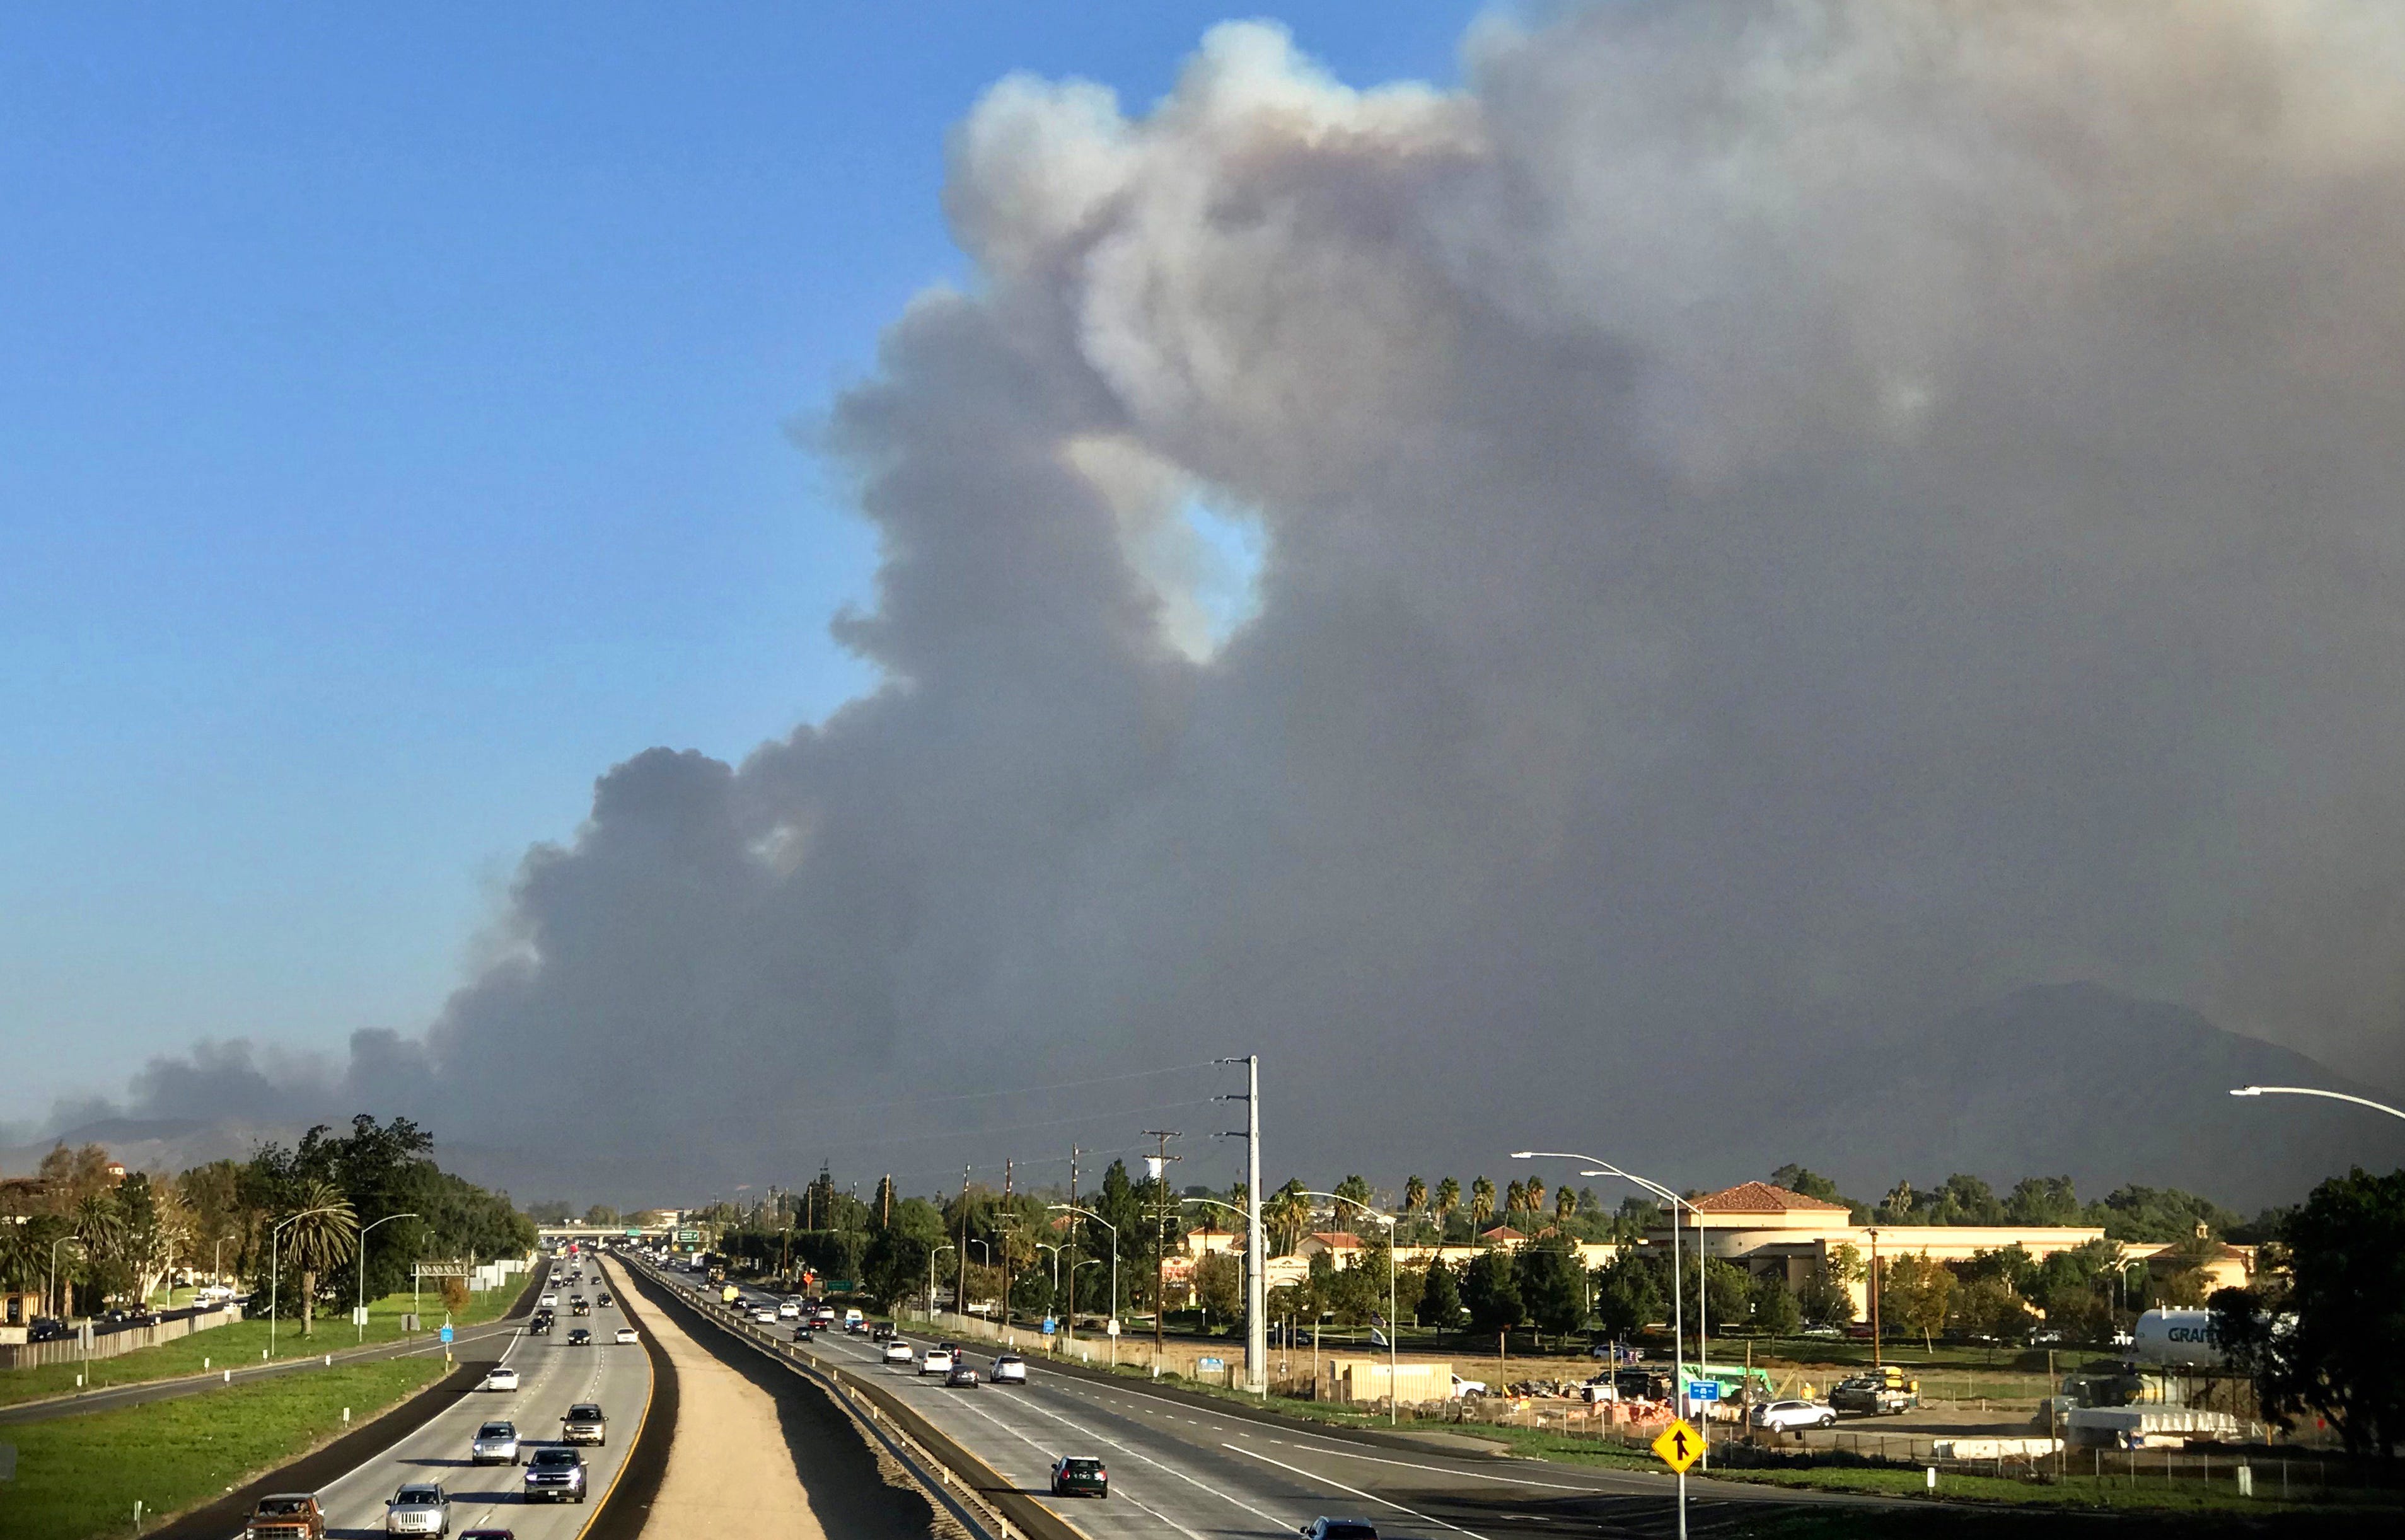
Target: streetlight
988,1250
362,1320
1115,1268
1394,1383
1678,1286
2307,1090
939,1251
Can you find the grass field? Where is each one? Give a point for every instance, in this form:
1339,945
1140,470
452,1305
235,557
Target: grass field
78,1478
244,1343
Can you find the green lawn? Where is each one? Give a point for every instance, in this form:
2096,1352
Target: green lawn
79,1476
244,1343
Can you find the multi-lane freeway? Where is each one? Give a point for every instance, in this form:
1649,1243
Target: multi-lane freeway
552,1377
1183,1467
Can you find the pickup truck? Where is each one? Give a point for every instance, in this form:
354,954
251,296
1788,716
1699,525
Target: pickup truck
1464,1388
1880,1393
287,1516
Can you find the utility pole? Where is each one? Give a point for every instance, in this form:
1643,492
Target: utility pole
1161,1236
1006,1274
885,1196
1257,1327
1069,1316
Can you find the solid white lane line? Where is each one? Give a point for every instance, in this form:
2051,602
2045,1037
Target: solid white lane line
1032,1405
1440,1470
1365,1496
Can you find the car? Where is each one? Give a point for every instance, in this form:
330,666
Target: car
548,1302
496,1444
625,1336
421,1507
499,1378
604,1299
579,1337
1339,1529
881,1333
764,1316
584,1424
579,1305
1081,1475
803,1333
1464,1388
285,1516
488,1534
897,1352
856,1325
935,1360
540,1325
962,1377
556,1475
1793,1416
788,1311
1010,1369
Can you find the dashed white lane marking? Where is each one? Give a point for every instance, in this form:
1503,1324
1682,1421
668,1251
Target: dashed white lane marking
1355,1491
1446,1470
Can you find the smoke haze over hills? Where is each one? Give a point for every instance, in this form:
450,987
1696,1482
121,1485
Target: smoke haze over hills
1778,525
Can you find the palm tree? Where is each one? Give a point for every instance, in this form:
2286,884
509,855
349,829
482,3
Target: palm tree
1415,1193
1288,1213
1515,1197
1565,1205
100,1224
1534,1192
1448,1197
1482,1203
325,1231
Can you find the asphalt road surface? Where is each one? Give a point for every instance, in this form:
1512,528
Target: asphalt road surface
553,1376
1182,1470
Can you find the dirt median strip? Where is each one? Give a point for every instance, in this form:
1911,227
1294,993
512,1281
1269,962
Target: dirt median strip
626,1506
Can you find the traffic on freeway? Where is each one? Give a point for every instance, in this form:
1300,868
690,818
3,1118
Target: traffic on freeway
571,1414
1147,1464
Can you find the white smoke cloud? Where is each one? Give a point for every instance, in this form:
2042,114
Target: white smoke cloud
1779,521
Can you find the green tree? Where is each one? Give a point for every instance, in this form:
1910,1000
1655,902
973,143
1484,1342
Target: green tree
2036,1200
2342,1357
1439,1299
1776,1313
1482,1203
1914,1295
1355,1187
320,1235
1824,1298
1553,1286
1490,1288
1628,1296
1985,1305
1287,1215
1565,1204
2161,1215
1219,1284
1448,1197
1798,1179
1414,1195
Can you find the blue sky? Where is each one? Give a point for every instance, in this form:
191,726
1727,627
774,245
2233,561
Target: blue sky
393,436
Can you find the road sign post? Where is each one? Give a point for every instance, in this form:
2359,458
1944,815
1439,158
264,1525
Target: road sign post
1680,1447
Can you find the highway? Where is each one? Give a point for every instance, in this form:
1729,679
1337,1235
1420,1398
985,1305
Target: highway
552,1375
1183,1468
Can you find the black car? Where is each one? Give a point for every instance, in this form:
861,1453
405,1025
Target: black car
579,1337
1081,1475
603,1298
962,1377
802,1334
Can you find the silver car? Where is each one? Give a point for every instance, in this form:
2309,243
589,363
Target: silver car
1793,1416
420,1507
496,1444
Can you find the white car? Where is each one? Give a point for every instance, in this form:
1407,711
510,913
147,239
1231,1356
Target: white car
935,1360
766,1317
1008,1369
626,1337
496,1444
897,1352
551,1302
1464,1388
418,1508
788,1311
502,1378
1793,1416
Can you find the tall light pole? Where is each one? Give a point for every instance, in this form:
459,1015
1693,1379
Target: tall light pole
1394,1383
2307,1090
1677,1284
930,1280
1115,1268
362,1319
1047,1246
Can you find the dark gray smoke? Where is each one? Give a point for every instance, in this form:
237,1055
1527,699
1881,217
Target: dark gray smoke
1782,523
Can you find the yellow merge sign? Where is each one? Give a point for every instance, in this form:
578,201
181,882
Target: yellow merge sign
1680,1446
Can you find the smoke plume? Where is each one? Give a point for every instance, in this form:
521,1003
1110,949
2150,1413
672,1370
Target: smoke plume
1778,524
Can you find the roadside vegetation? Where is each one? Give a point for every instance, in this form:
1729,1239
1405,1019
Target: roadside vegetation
78,1478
